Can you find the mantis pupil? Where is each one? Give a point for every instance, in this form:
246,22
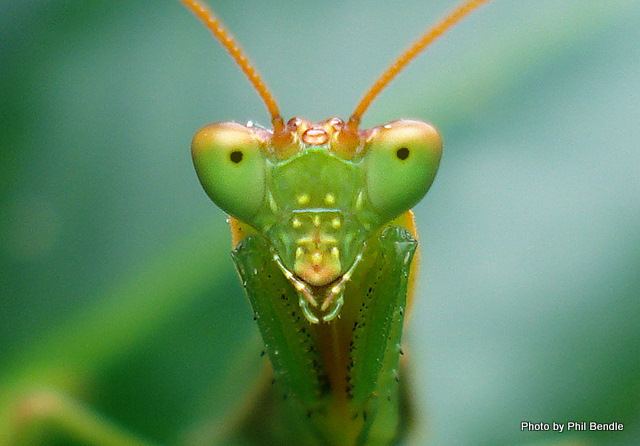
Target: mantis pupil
236,156
402,153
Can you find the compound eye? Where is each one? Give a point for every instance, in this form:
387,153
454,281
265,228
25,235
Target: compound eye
231,168
402,160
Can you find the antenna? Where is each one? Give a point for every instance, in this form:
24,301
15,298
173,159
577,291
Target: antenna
233,48
403,60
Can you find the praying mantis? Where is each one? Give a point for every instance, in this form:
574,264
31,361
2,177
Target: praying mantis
312,307
323,240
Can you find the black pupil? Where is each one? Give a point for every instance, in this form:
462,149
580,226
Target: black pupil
402,153
236,156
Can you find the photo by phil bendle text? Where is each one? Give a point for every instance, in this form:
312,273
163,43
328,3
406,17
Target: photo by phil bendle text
576,426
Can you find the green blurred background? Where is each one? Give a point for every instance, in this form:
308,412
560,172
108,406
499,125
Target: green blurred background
116,285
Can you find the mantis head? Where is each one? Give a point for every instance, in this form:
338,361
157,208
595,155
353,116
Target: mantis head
316,192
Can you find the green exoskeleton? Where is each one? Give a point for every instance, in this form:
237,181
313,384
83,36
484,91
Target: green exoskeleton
323,239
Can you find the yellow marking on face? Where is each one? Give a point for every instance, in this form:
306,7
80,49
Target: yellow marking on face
296,223
328,239
316,221
329,199
336,223
335,252
299,252
316,258
313,241
303,199
305,240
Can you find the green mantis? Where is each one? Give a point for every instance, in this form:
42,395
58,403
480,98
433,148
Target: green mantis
323,242
201,266
322,205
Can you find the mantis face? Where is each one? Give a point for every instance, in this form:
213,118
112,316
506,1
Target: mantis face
317,192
